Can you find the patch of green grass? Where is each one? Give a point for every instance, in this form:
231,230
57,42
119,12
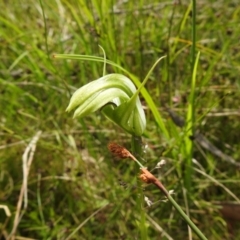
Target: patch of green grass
74,184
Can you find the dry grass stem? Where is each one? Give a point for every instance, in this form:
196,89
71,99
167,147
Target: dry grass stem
27,159
147,177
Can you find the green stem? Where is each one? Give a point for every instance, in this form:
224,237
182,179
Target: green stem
191,104
137,151
187,219
193,49
152,179
179,209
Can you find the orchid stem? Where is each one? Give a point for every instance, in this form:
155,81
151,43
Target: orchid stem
137,151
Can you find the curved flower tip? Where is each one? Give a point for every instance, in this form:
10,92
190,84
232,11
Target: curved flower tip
114,94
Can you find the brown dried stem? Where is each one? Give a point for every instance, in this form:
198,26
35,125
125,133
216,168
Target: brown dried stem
147,177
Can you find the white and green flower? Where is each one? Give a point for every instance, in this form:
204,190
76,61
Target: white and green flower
117,97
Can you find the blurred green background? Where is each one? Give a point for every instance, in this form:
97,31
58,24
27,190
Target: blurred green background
72,175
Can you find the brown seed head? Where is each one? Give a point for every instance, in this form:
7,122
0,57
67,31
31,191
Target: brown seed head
118,150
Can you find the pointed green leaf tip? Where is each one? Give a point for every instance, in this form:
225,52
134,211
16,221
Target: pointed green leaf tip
114,94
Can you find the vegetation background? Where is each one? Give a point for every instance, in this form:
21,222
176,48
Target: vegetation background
76,189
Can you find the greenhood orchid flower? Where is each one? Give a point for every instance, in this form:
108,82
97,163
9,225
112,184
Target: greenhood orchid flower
117,97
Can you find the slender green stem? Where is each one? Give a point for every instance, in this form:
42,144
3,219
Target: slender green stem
137,151
149,178
45,28
105,58
136,146
168,56
186,218
193,49
188,147
191,104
